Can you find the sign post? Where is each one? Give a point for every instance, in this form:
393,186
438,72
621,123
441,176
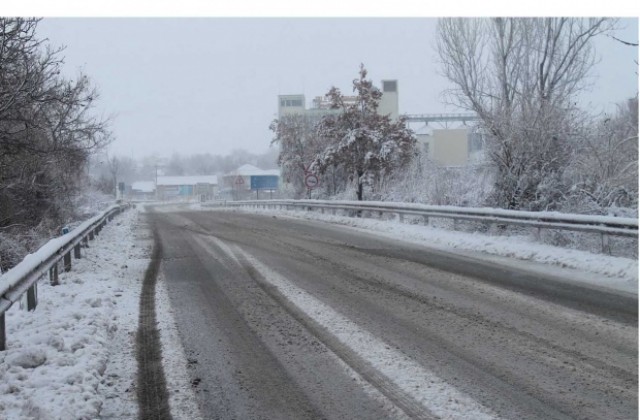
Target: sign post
238,183
311,181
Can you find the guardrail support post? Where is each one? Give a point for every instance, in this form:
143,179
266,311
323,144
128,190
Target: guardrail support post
401,217
538,234
32,297
425,219
85,242
76,252
53,275
3,334
67,261
606,249
91,235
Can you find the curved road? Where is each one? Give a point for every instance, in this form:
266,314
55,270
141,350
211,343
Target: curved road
287,319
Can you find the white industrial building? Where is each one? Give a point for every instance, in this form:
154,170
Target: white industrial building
296,104
187,188
447,139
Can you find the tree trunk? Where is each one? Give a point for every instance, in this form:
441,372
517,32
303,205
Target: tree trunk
359,193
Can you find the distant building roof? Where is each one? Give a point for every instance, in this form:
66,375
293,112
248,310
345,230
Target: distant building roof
275,172
143,186
188,180
248,170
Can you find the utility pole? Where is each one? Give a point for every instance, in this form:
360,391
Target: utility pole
156,181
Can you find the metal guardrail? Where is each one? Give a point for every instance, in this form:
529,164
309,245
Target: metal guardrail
23,278
604,225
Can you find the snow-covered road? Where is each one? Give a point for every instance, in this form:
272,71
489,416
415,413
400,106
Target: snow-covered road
575,265
295,319
74,357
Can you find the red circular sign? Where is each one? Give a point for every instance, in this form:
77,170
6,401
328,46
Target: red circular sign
311,181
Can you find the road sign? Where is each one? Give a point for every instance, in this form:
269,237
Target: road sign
311,181
264,182
239,180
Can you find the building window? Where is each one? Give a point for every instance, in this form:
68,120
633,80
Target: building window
291,102
389,86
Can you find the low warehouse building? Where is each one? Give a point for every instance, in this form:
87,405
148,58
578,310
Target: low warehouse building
187,188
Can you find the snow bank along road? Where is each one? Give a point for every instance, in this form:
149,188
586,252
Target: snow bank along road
288,319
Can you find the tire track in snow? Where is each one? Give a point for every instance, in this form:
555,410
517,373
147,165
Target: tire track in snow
153,401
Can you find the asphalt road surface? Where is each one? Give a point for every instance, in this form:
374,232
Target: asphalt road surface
289,319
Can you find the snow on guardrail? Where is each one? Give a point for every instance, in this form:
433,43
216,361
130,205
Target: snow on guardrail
604,225
24,276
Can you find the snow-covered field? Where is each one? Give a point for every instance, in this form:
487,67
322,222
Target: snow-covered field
74,356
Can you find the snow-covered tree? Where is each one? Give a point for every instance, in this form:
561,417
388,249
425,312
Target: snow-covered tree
175,166
47,133
367,145
115,169
604,173
424,181
521,76
298,143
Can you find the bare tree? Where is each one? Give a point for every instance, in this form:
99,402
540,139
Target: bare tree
298,144
521,76
604,173
46,134
117,169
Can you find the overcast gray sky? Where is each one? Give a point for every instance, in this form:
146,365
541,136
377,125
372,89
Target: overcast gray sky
198,85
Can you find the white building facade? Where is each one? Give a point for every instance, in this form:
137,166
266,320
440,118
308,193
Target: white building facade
296,104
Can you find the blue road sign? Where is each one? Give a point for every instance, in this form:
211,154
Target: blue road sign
264,182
